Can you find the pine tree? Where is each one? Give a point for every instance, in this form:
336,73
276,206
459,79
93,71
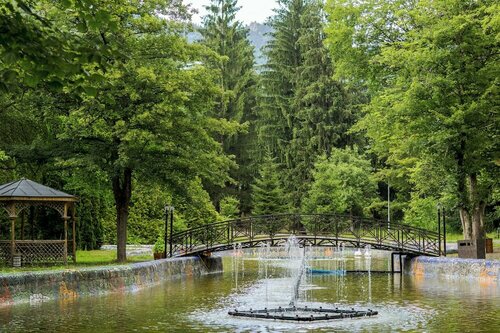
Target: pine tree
222,33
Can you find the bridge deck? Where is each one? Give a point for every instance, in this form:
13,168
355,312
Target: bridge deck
314,230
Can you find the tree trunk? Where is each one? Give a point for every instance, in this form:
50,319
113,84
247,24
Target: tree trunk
472,213
466,223
473,224
477,207
351,218
478,222
122,191
471,207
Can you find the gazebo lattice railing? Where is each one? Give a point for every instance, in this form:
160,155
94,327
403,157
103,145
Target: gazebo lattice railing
36,251
17,196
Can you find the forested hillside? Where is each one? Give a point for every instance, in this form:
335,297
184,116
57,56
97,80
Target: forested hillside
110,101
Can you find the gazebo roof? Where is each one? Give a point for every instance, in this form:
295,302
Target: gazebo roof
26,189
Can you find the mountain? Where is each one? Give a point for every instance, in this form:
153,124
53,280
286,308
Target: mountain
257,35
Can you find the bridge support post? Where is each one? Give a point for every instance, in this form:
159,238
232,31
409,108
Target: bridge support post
399,254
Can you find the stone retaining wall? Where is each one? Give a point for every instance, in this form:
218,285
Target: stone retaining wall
63,284
454,268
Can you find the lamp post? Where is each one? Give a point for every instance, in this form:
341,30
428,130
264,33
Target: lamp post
171,229
388,205
169,212
439,225
444,230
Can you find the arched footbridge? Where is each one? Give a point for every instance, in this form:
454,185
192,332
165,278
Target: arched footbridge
310,229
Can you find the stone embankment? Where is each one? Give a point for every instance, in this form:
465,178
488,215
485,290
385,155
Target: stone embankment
63,284
455,268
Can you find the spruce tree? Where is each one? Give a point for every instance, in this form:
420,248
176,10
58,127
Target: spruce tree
305,113
279,76
268,194
222,33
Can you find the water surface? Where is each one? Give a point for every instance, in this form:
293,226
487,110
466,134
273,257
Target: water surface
405,304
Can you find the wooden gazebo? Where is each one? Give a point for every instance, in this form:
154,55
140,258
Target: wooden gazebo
19,195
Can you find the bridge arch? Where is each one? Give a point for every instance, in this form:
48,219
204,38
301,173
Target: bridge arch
310,229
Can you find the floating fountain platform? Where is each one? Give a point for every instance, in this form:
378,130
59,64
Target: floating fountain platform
303,314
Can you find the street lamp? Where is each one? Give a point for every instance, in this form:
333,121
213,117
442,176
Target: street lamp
438,206
444,229
388,205
441,213
169,212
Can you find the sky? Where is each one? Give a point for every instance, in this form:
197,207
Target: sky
251,10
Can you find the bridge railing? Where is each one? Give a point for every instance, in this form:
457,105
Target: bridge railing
316,228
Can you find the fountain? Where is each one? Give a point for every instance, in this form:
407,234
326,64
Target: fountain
368,251
298,270
237,264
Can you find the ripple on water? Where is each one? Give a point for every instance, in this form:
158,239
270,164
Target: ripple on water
273,293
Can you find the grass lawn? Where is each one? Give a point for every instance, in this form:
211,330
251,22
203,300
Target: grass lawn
84,259
496,245
451,237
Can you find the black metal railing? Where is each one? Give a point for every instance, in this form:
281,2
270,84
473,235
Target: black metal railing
310,229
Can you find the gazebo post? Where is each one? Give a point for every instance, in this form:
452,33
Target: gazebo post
12,215
65,217
73,217
12,236
23,220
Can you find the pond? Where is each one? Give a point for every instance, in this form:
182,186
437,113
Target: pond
404,304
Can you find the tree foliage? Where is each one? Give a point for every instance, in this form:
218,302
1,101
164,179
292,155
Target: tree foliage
343,183
268,194
433,72
144,117
108,100
149,112
226,36
304,112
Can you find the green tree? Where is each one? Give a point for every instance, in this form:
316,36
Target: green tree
268,195
226,36
324,114
356,33
29,127
433,73
143,116
47,41
95,204
305,113
279,75
148,116
147,213
422,213
229,208
148,123
343,183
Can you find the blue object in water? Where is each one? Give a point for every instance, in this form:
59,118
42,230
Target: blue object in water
326,271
